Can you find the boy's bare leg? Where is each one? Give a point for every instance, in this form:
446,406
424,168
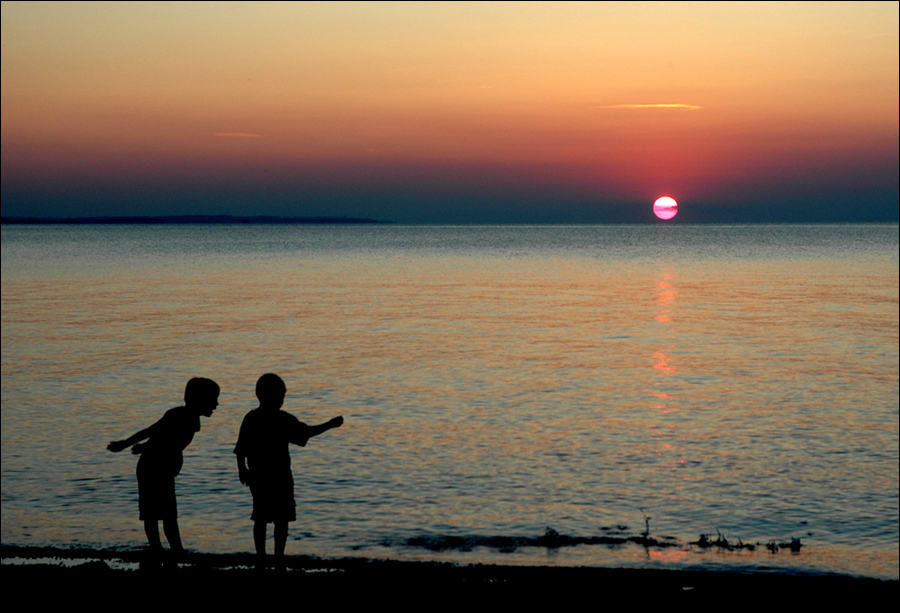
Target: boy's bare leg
151,529
259,537
281,530
173,535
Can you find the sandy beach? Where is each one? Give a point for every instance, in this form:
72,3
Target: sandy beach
234,579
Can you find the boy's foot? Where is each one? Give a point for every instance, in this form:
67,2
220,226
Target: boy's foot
153,558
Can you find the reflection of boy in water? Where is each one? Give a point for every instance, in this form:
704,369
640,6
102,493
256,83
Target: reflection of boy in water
161,459
264,460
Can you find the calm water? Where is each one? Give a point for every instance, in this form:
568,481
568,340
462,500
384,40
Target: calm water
495,381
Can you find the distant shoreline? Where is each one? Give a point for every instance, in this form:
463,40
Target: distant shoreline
192,219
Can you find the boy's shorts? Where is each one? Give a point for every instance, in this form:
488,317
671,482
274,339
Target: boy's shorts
273,498
156,495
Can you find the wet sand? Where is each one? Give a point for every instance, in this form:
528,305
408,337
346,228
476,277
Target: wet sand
56,575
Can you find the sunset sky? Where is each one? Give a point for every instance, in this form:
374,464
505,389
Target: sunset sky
453,112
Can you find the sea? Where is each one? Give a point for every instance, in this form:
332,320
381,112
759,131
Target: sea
647,396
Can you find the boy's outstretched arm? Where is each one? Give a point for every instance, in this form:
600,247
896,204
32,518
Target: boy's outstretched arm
337,422
116,446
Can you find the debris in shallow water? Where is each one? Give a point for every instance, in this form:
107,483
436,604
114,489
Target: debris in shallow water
646,532
723,543
794,545
552,539
747,546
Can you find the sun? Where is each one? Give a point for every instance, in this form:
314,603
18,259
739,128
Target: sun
665,207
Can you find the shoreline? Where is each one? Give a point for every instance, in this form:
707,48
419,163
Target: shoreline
221,578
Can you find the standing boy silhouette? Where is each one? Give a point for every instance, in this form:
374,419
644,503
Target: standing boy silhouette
161,460
264,460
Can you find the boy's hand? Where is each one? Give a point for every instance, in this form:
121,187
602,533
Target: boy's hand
337,422
117,446
244,475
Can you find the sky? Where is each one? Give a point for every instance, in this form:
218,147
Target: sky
453,112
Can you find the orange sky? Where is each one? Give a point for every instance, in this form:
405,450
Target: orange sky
327,104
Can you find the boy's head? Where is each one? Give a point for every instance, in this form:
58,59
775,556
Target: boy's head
202,393
270,390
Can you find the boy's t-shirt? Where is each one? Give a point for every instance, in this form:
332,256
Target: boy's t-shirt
264,439
169,437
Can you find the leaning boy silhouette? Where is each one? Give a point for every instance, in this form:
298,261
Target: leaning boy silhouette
161,460
264,460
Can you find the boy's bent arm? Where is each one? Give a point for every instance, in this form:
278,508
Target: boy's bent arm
116,446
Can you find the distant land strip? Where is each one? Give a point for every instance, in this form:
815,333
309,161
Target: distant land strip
191,219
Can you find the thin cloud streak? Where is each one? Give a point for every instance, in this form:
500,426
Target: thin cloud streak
236,135
684,107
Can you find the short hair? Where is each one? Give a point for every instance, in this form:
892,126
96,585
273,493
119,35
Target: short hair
199,389
270,385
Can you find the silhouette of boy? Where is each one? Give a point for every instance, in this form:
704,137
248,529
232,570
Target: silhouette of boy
161,459
264,460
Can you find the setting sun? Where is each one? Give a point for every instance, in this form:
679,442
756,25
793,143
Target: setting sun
665,207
